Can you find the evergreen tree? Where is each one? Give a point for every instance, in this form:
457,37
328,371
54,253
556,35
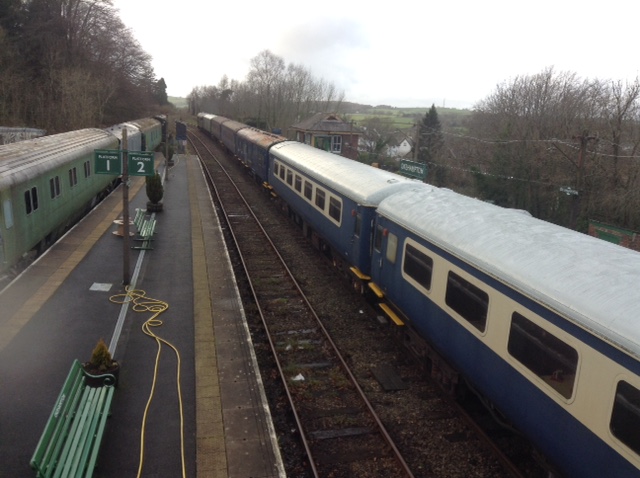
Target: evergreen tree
160,92
430,144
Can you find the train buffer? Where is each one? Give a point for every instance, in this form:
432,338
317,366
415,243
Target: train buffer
146,234
71,439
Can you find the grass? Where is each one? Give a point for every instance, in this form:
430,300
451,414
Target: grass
406,118
178,102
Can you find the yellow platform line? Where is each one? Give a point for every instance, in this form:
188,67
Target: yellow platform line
210,442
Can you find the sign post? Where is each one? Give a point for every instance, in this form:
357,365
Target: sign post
126,163
126,249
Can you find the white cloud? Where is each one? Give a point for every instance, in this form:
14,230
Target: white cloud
403,53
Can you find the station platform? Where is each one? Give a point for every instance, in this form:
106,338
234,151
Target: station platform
204,414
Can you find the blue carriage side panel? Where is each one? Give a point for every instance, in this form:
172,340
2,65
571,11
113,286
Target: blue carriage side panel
523,265
353,188
253,149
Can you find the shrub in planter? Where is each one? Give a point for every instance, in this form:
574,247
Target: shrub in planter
155,192
101,364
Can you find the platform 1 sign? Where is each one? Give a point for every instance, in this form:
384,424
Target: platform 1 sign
413,169
109,161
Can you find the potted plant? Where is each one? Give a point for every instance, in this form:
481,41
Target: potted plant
155,191
101,367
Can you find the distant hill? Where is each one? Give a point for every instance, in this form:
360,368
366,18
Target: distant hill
178,102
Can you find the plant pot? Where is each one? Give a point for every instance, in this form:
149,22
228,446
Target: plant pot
97,378
154,207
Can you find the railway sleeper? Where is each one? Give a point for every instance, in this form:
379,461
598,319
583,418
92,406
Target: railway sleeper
341,433
352,455
297,332
314,414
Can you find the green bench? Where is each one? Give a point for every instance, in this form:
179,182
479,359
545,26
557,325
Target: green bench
138,219
71,439
146,233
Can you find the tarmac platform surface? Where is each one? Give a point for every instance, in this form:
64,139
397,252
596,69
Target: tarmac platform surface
205,413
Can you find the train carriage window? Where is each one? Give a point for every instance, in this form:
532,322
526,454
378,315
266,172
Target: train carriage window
87,169
8,213
27,202
298,185
468,300
308,190
543,353
290,177
358,225
377,239
276,166
625,418
282,172
54,186
392,247
73,177
31,199
418,266
335,208
320,197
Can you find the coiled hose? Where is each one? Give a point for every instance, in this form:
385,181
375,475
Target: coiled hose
142,303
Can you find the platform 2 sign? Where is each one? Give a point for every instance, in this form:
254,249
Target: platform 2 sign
109,161
141,163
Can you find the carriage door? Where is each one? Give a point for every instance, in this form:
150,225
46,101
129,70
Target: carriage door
6,222
376,252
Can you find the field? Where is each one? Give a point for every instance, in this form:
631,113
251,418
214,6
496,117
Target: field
178,102
406,118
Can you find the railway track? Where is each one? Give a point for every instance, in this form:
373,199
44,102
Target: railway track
340,430
432,434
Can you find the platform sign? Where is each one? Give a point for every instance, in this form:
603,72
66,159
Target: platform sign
107,161
413,169
141,163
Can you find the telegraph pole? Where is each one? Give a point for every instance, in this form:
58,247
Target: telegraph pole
575,209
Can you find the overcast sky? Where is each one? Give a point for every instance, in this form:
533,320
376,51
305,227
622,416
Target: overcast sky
402,53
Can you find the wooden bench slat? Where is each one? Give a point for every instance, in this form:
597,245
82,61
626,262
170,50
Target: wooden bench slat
89,431
139,218
99,430
75,434
146,233
52,438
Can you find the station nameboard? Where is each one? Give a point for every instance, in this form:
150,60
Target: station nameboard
413,169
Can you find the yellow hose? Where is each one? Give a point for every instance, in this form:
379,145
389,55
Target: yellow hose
142,303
